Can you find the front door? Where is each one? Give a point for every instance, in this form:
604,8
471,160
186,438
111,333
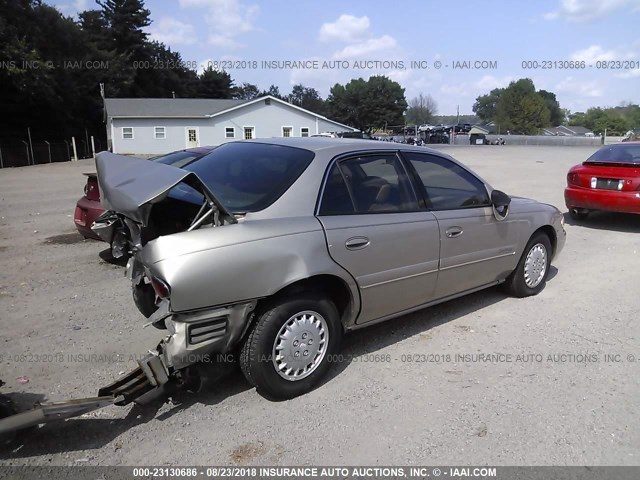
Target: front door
377,232
475,248
193,138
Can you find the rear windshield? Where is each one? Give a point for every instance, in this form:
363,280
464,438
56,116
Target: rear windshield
177,159
616,154
247,177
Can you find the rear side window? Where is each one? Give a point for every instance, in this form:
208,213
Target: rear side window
368,184
448,186
248,177
336,199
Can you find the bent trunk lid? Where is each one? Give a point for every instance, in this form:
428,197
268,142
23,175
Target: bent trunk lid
130,186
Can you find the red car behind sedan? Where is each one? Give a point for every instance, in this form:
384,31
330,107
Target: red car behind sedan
608,180
89,208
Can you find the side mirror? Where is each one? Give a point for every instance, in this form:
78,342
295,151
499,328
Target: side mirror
500,202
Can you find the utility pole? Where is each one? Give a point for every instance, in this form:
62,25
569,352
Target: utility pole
458,115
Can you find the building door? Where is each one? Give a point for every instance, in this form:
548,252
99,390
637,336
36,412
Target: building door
193,138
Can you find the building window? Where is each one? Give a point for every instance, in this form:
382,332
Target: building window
287,131
159,133
127,133
304,132
249,133
229,132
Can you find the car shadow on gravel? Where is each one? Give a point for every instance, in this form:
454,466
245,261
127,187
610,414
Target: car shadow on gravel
377,337
93,433
617,222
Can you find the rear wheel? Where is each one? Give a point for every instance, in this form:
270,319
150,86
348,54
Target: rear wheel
530,276
578,213
289,348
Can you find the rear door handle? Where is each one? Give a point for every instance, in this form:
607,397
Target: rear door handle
356,243
454,232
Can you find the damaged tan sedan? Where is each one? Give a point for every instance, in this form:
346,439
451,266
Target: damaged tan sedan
273,249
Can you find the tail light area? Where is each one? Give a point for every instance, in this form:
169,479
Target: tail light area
575,179
161,288
91,189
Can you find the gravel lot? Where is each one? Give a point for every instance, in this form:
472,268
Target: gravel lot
58,295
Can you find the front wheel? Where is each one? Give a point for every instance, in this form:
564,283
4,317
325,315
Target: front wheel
530,276
289,348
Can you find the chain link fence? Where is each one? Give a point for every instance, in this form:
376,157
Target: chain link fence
22,153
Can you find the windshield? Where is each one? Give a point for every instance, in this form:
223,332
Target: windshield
177,159
617,154
247,177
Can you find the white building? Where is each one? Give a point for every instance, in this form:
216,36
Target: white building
150,126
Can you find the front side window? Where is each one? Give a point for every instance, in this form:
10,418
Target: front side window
374,184
448,186
247,177
127,133
159,133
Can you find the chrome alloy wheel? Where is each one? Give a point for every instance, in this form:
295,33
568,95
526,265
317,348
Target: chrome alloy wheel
300,345
535,265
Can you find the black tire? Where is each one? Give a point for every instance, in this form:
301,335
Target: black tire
578,213
516,283
256,356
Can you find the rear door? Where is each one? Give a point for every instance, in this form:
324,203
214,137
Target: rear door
378,231
476,249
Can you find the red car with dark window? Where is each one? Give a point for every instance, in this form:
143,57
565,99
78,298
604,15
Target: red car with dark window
88,207
608,180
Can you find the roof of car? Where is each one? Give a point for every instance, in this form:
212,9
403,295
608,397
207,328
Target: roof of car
337,145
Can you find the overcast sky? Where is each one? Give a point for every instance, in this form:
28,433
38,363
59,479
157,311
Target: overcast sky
507,32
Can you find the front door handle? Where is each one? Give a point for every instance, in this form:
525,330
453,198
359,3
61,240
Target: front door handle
454,232
356,243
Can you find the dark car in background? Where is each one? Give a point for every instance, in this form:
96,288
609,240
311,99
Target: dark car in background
608,180
89,208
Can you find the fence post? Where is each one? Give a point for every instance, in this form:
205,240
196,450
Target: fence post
33,158
93,147
27,147
75,151
49,145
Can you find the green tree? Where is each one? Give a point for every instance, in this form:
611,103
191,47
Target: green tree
556,114
518,107
246,91
485,106
274,91
307,98
369,104
126,20
214,84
